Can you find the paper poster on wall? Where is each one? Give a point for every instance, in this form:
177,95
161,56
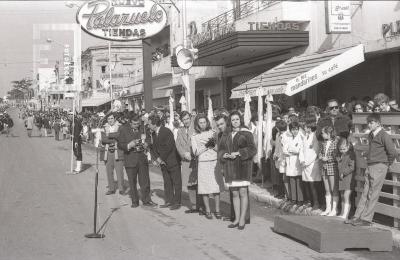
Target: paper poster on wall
338,16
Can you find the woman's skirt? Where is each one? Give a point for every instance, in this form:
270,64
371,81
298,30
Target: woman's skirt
209,179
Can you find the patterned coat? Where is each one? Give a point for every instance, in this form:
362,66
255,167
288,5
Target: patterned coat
240,168
330,167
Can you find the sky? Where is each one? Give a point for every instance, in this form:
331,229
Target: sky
17,19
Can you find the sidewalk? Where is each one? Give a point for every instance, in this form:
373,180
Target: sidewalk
264,196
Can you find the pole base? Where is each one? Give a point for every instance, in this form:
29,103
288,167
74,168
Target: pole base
94,235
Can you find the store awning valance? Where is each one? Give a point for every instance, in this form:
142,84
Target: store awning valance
302,72
95,102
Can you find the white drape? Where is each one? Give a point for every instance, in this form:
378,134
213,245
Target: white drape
268,128
247,111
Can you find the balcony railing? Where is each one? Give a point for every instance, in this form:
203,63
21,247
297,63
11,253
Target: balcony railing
229,17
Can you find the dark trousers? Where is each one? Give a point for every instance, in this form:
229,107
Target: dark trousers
141,171
78,151
172,184
57,135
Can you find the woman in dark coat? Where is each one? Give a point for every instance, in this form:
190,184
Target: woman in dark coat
236,153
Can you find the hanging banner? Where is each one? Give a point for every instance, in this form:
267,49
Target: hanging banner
338,16
122,20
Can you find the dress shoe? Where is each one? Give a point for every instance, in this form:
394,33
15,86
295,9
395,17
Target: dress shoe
175,207
135,205
233,225
350,221
122,192
110,192
166,205
150,204
361,223
190,211
241,227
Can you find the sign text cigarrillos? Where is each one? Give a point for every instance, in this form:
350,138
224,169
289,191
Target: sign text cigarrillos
126,20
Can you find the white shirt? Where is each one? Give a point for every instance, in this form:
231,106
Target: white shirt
157,130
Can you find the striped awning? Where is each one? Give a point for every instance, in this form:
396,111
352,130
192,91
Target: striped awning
302,72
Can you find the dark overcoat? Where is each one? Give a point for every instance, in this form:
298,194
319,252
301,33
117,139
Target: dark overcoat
240,168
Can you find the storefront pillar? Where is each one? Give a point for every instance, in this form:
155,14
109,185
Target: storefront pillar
147,74
395,75
224,92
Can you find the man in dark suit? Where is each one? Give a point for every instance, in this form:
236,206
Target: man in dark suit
164,152
135,160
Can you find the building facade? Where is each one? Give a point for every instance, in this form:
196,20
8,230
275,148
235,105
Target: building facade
125,73
257,36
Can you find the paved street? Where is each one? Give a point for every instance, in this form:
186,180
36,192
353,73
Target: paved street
45,213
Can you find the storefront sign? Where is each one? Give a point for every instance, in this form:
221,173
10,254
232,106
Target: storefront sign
273,26
210,34
122,20
326,70
391,30
273,90
338,17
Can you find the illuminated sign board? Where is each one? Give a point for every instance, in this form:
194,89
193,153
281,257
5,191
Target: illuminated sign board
122,20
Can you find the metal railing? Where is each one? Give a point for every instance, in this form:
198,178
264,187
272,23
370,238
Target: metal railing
235,14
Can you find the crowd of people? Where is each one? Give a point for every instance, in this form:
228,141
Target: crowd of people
311,165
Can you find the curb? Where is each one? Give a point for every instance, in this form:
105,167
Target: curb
263,196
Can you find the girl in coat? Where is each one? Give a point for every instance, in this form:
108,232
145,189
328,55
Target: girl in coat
291,148
236,153
330,173
308,156
346,168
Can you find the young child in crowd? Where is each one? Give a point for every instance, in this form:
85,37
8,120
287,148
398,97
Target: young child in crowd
346,166
327,155
279,157
291,149
310,164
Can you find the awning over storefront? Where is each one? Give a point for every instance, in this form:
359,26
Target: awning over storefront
248,46
95,102
302,72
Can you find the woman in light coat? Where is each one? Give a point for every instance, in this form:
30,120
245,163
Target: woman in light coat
209,180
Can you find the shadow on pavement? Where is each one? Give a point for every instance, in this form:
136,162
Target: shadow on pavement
103,226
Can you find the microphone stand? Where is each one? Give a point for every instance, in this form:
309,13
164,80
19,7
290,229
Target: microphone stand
95,233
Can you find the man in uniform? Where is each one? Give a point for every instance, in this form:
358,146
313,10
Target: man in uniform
77,142
134,144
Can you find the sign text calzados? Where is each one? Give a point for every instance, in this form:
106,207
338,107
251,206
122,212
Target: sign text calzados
126,20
